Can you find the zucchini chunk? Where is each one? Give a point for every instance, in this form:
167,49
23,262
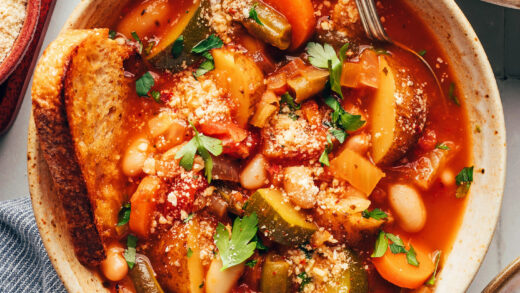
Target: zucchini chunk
193,28
351,280
278,219
143,276
275,276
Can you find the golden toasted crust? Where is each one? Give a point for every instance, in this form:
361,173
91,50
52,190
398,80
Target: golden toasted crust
56,144
95,93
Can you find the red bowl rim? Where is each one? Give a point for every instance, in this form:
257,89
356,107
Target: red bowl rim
22,41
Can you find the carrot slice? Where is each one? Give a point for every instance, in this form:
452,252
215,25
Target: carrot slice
396,269
143,204
300,14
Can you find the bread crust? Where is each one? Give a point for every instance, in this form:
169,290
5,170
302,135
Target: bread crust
57,144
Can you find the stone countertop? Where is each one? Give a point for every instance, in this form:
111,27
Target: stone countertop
499,31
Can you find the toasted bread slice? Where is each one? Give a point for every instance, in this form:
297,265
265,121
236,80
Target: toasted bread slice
96,92
57,146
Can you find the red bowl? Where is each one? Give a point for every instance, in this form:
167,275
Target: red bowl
22,42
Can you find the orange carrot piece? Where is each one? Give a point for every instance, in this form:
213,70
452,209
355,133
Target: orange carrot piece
300,14
396,269
365,72
143,204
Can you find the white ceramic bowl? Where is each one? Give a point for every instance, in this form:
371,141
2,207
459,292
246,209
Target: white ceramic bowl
474,75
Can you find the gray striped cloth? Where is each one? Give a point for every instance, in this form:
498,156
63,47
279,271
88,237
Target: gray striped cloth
24,263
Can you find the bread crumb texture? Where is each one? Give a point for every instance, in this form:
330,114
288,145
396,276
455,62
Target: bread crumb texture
12,17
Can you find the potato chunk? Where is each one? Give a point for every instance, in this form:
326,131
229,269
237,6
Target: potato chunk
398,114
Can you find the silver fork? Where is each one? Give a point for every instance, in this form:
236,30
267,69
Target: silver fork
375,31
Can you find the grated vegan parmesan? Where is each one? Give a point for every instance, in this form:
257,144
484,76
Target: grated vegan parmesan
12,17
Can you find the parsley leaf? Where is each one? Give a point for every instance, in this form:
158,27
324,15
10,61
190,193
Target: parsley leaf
305,280
324,158
254,15
240,246
144,84
422,53
131,243
138,40
202,145
156,96
442,146
381,245
259,244
324,56
124,214
307,250
148,48
178,46
376,213
339,134
451,94
189,253
211,42
251,263
341,118
291,104
464,180
204,68
112,34
411,258
432,279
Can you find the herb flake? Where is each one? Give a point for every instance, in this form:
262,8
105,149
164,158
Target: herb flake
381,245
178,46
138,40
376,213
464,180
433,278
251,263
131,243
240,246
442,146
124,214
305,280
451,94
253,14
144,84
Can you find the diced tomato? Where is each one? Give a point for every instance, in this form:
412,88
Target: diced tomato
243,148
181,194
243,288
224,130
311,113
362,73
428,140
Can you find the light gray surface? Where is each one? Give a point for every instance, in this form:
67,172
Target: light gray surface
498,29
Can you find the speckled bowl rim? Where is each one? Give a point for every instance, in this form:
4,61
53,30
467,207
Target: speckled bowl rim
484,108
22,42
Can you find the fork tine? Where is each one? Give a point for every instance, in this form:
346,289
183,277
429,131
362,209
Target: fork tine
378,26
370,21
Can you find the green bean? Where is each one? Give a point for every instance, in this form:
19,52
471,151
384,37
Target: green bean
268,25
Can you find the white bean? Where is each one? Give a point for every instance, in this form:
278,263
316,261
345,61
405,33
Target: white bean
160,124
254,175
134,158
299,186
448,177
359,143
114,267
408,207
222,281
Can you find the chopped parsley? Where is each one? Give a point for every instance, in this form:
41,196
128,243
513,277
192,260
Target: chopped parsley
204,68
254,15
189,253
305,280
144,84
156,96
324,158
201,285
259,244
451,94
251,263
339,134
202,145
422,53
148,48
239,247
288,100
464,180
306,250
138,40
211,42
131,243
376,213
188,218
341,119
324,57
203,48
124,214
442,146
178,46
432,279
396,247
112,34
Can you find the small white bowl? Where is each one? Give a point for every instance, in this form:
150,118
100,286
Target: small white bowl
477,82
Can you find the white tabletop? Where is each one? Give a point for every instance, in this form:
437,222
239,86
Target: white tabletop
504,248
